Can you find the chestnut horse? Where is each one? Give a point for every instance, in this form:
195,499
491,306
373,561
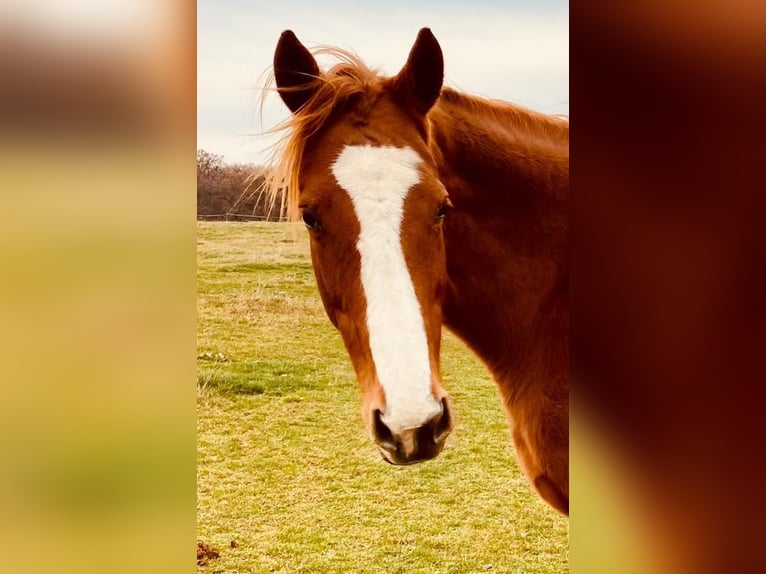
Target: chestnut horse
429,207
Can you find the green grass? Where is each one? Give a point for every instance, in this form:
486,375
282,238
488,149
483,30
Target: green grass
284,466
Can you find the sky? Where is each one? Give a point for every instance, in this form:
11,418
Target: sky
506,49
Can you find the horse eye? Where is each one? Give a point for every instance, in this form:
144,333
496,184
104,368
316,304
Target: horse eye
311,222
442,211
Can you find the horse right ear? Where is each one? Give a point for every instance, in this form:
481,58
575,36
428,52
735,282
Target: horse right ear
295,70
418,85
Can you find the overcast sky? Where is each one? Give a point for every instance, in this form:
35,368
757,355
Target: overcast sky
513,50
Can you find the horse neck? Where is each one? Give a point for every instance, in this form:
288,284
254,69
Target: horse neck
507,174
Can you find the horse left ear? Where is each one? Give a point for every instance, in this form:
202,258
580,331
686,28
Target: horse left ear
418,85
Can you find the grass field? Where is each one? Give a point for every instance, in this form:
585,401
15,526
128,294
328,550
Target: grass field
284,467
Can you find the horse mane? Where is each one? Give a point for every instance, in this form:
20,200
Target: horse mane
344,83
532,122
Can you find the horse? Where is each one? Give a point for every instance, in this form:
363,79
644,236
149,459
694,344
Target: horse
427,207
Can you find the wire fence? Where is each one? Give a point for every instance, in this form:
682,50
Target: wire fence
237,217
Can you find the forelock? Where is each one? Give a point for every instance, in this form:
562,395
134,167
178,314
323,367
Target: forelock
348,83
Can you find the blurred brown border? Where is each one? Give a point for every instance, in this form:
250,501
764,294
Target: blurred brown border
78,85
668,273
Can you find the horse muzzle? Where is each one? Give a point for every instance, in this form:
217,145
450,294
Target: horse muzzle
413,445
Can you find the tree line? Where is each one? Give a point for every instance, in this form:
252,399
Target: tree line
231,192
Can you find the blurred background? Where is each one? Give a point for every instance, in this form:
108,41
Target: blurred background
97,298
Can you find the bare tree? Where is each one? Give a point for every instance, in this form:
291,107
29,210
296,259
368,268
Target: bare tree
231,191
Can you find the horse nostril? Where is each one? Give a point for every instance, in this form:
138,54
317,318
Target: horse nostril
443,423
383,435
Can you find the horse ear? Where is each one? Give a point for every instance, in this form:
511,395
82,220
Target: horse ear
294,70
418,85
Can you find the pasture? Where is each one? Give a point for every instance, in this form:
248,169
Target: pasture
284,466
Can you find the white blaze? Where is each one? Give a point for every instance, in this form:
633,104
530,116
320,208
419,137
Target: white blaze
378,180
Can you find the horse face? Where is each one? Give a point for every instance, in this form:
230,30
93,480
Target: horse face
375,221
374,205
